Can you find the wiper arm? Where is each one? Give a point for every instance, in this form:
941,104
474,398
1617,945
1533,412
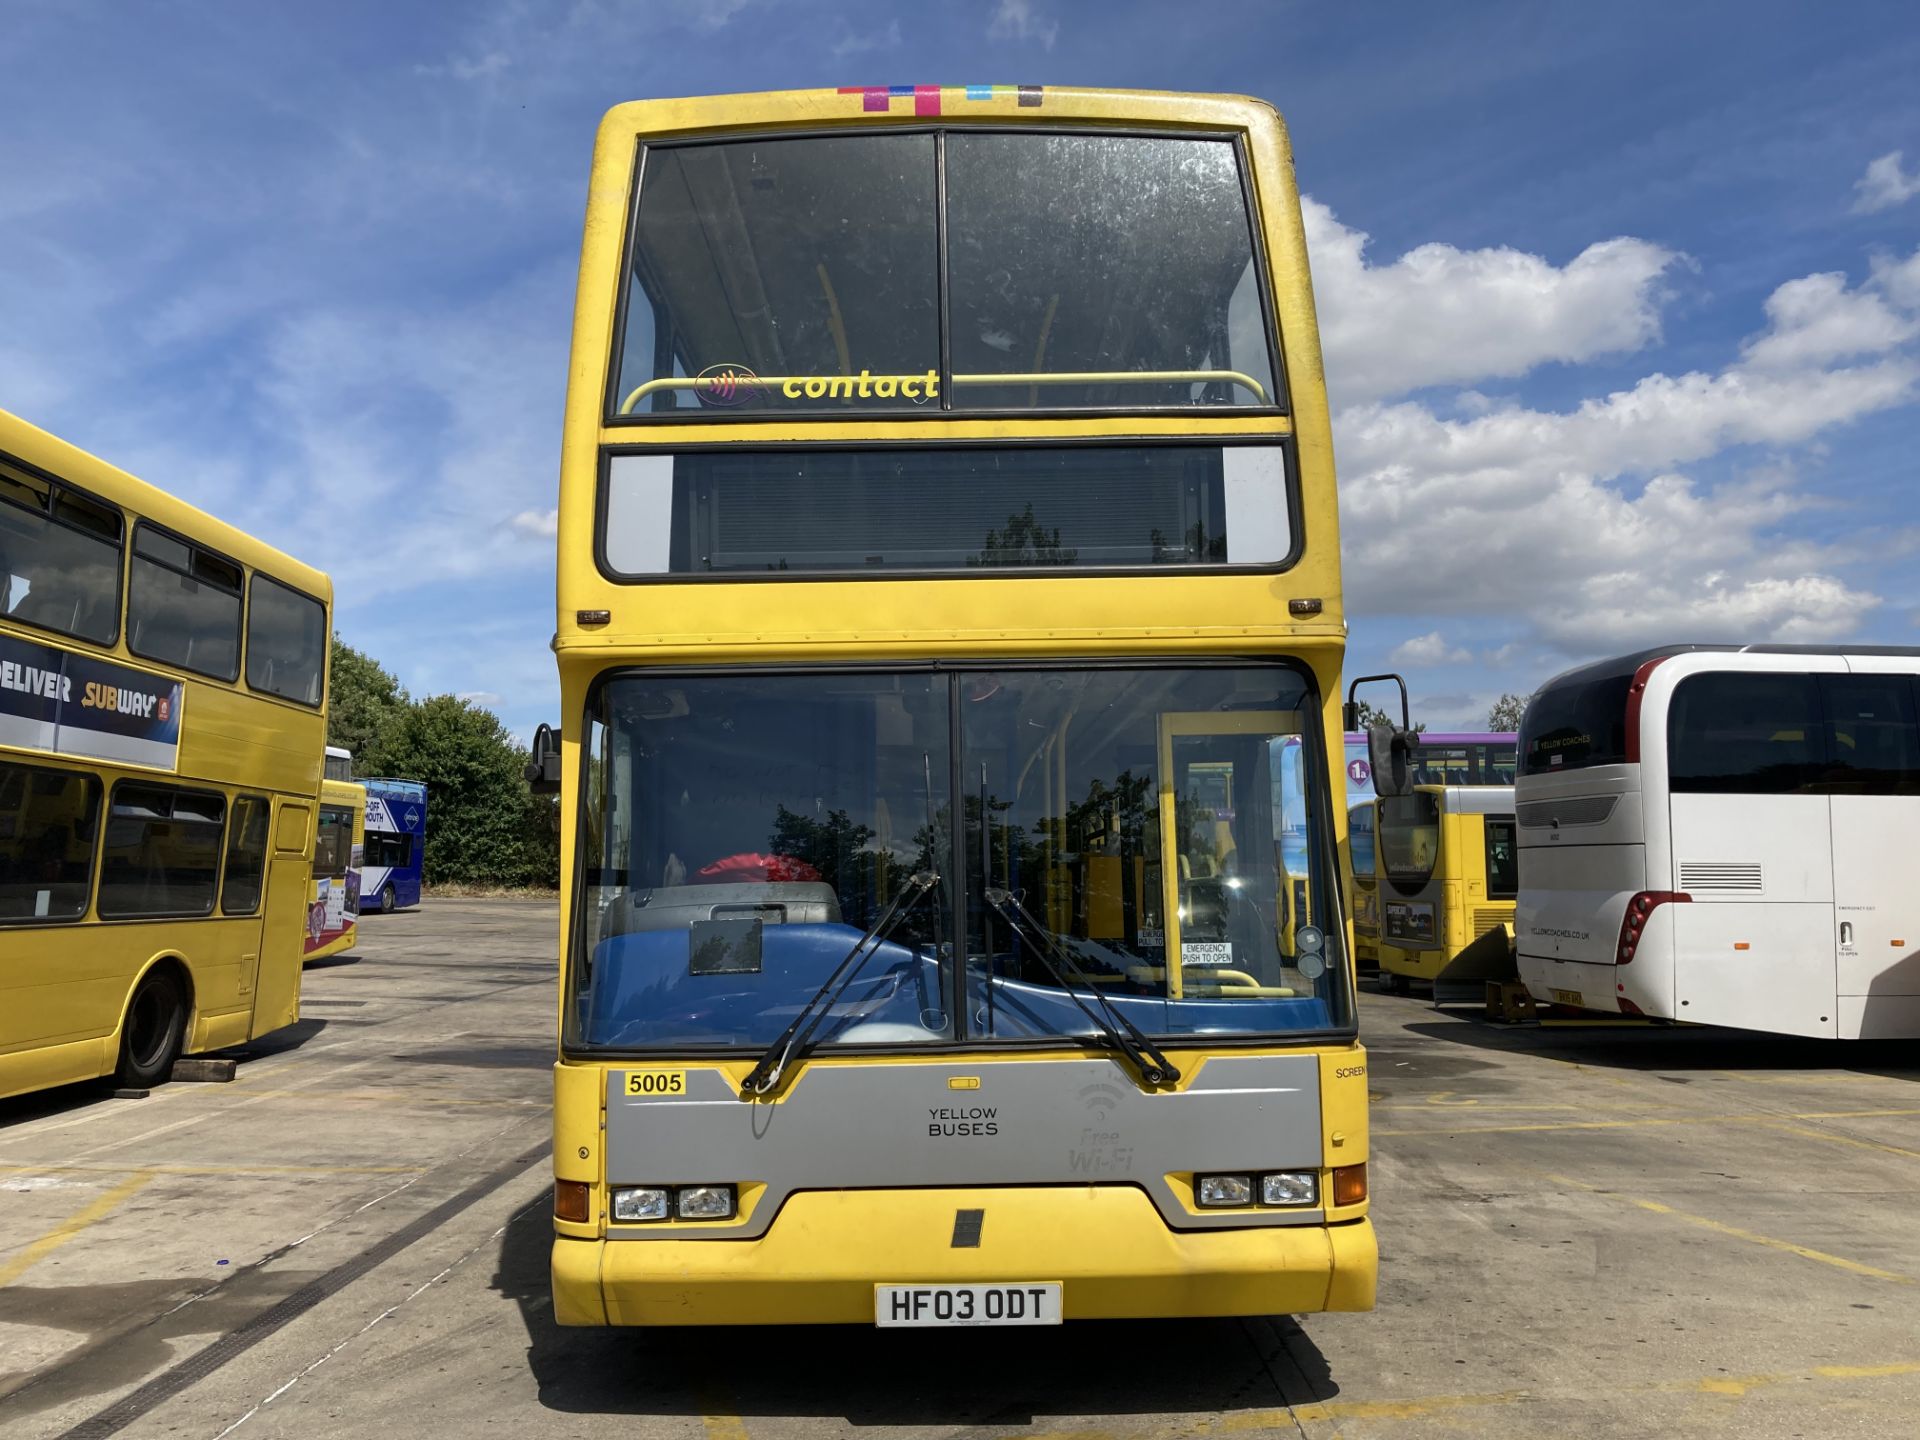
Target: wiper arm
1154,1067
798,1038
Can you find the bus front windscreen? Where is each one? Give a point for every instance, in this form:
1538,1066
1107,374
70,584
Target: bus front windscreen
803,274
1006,836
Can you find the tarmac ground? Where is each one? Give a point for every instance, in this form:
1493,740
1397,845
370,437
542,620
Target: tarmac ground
1583,1231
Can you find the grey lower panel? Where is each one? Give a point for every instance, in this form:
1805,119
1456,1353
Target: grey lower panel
886,1126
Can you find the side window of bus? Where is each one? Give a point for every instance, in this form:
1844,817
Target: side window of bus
1360,848
333,840
162,852
1745,734
183,605
390,852
59,559
48,820
286,642
246,856
1873,743
1503,861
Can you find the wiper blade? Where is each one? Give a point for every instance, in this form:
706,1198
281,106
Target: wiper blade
798,1038
1154,1067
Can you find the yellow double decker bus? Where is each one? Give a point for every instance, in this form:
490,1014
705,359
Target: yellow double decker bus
948,550
162,691
1449,877
339,847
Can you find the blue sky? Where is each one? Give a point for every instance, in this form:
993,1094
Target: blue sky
1621,304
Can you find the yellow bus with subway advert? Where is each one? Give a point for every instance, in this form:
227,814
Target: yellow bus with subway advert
339,845
162,689
947,548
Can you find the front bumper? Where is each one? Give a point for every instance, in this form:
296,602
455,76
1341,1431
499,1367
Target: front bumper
1106,1244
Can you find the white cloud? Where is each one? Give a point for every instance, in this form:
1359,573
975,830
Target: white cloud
1816,319
1440,315
1478,507
1899,280
867,42
1885,185
536,524
485,699
1018,20
1424,652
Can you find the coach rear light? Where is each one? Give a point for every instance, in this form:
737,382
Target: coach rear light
1633,923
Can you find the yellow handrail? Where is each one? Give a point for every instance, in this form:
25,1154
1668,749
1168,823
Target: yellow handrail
1069,377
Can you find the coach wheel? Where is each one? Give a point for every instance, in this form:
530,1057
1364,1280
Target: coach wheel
155,1029
387,901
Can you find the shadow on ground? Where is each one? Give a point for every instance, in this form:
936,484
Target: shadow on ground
65,1099
867,1377
331,962
1677,1048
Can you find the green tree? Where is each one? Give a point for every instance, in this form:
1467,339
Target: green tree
365,704
1507,710
483,826
1371,715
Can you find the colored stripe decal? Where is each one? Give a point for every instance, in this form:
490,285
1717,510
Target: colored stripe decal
928,99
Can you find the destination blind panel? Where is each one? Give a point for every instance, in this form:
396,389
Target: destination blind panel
985,510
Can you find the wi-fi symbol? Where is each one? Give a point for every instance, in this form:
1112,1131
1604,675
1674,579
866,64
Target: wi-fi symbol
1100,1099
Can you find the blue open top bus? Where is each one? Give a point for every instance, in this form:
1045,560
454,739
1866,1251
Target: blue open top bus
396,839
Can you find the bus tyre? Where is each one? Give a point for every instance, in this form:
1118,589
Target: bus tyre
155,1030
387,902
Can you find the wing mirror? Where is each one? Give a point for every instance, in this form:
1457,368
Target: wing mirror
543,762
1390,749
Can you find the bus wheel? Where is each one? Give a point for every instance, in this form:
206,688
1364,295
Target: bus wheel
386,898
155,1029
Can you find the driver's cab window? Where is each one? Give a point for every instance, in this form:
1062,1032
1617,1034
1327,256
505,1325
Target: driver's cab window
1410,839
1151,832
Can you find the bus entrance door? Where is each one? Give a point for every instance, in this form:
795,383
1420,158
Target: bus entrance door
1230,886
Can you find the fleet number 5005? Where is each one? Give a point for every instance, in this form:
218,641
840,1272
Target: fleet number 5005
656,1082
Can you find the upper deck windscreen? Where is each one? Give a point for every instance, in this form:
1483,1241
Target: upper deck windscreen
804,275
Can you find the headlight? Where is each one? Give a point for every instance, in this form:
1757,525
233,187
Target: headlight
704,1202
1290,1187
1219,1192
639,1203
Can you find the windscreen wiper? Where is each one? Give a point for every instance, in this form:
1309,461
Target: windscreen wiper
1154,1067
798,1038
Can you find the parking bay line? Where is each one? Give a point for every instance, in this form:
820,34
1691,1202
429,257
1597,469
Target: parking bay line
60,1234
63,1168
1423,1406
187,1372
1734,1232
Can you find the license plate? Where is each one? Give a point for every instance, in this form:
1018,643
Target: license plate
1567,997
1033,1303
